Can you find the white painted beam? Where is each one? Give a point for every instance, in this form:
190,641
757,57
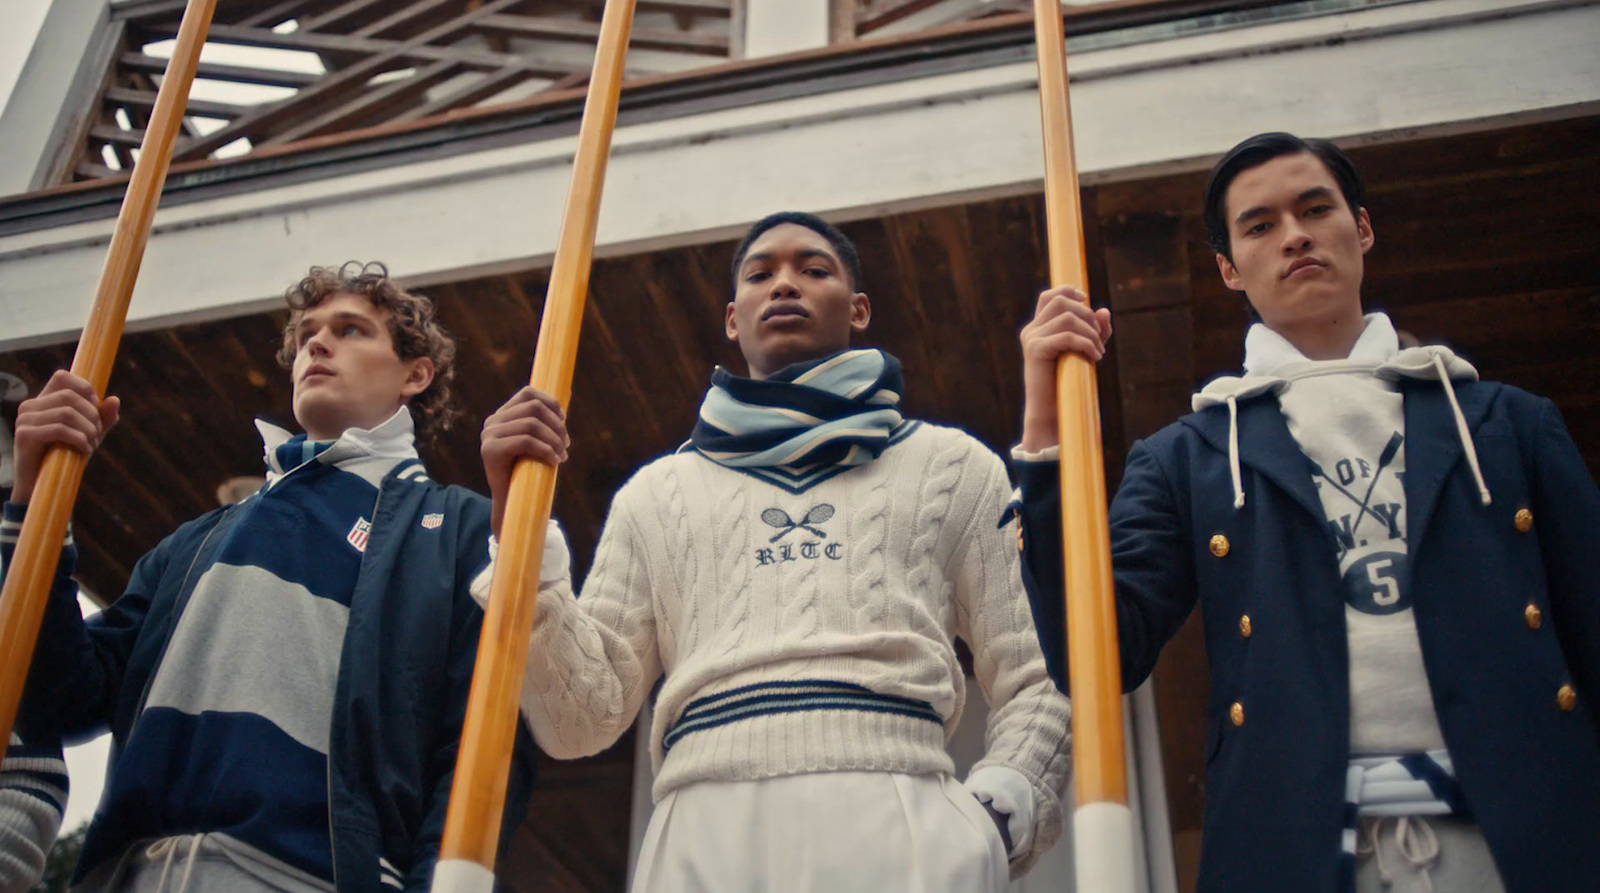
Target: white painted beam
774,27
52,90
1392,72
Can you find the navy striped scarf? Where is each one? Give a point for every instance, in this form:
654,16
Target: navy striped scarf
806,423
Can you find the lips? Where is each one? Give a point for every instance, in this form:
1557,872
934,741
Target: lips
316,370
1302,264
785,309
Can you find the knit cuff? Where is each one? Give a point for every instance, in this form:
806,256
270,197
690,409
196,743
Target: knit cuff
11,518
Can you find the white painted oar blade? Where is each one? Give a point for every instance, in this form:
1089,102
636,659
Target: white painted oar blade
462,876
1102,838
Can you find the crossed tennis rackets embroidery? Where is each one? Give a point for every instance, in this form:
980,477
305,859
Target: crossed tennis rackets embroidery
776,517
799,548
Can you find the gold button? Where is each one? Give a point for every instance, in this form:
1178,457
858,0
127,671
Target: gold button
1533,615
1244,625
1566,698
1019,534
1524,520
1219,545
1236,712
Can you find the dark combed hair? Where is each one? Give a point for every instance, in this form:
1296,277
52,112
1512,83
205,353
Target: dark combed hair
841,243
1258,150
412,326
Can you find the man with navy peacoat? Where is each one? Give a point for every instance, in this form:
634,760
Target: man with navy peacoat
1221,509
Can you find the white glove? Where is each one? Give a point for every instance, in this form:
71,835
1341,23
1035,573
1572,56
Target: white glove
554,566
1009,792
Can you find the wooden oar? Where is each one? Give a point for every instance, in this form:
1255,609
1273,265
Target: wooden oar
1103,823
27,586
477,796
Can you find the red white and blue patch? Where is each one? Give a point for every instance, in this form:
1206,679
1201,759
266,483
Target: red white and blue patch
432,520
359,534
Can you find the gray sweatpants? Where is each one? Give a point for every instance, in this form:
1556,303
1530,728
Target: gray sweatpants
193,863
1462,865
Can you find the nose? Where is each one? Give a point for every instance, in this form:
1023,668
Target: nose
1295,239
783,286
317,344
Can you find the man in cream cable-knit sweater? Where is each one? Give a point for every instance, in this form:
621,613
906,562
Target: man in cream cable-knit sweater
798,574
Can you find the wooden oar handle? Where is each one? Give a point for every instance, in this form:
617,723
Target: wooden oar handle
27,585
477,796
483,766
1103,823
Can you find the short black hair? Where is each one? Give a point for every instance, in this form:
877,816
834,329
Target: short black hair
841,243
1258,150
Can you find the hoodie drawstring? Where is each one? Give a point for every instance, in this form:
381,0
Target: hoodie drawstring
166,849
1461,429
1233,452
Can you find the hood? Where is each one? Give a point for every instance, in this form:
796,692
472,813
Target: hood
1271,363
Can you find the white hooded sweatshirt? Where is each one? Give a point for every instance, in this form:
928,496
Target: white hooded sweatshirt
1348,418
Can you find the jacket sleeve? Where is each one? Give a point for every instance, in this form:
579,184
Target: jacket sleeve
1029,726
1151,562
33,794
592,661
1039,537
467,627
1566,513
78,667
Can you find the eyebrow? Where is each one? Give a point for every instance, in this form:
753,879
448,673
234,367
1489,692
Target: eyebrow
1308,195
342,316
804,253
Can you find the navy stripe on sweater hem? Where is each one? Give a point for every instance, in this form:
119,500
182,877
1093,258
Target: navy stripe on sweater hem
794,696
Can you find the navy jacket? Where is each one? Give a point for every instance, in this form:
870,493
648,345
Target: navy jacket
1530,769
404,674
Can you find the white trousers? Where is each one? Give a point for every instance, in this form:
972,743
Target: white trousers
839,832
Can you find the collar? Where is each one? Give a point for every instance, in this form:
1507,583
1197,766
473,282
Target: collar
393,439
1268,353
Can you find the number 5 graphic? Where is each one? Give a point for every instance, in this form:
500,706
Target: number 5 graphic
1389,591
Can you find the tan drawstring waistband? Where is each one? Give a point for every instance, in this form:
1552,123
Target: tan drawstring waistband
165,849
1461,429
1415,840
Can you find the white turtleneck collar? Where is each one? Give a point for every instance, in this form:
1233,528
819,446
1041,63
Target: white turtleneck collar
390,442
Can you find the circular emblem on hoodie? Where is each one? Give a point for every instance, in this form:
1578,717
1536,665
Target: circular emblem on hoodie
1376,582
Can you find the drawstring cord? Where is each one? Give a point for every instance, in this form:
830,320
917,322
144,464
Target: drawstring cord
1461,429
1414,839
1462,432
165,849
1233,452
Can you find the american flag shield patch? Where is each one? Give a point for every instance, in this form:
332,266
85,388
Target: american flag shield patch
432,520
359,534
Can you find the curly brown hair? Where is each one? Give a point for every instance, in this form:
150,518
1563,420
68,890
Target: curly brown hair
412,326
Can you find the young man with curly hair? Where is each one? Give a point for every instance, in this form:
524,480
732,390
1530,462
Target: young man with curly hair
284,679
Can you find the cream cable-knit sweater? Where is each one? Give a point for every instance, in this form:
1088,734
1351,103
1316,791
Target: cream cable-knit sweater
720,580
